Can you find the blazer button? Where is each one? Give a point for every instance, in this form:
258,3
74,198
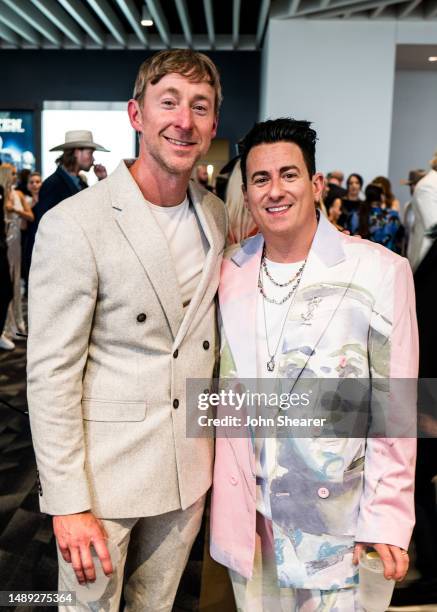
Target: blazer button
141,317
233,480
175,354
323,492
206,345
175,403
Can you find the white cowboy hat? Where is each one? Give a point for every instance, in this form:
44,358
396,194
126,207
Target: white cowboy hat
79,139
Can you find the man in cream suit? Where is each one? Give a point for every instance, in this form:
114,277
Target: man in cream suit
302,303
121,303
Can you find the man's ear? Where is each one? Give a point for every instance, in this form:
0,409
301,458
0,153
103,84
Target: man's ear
135,117
245,198
214,127
318,181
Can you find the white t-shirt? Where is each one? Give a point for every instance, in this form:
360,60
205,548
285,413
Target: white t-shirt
275,315
186,241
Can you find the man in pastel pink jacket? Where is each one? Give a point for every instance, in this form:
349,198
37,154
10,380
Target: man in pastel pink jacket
298,301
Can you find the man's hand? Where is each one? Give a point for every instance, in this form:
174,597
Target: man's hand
395,559
100,171
75,533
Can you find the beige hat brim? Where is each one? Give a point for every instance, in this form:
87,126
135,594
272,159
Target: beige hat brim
80,144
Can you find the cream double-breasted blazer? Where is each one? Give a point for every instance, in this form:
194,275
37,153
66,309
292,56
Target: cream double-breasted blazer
110,348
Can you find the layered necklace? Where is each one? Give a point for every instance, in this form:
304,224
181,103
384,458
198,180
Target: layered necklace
294,282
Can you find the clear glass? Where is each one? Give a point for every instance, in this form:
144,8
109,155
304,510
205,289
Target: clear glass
375,591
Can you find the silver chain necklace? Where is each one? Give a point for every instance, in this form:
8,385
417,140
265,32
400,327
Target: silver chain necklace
295,279
270,277
271,364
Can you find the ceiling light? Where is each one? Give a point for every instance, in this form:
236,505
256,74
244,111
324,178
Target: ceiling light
432,58
146,19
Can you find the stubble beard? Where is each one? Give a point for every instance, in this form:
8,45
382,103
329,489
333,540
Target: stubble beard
164,165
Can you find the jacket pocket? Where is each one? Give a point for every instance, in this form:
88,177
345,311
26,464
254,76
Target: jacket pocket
104,410
355,469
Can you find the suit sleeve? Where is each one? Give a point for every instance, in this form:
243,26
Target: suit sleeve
387,504
426,197
62,296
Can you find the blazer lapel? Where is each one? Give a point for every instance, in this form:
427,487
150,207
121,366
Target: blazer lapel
238,295
324,282
143,233
216,245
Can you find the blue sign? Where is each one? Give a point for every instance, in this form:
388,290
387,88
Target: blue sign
16,139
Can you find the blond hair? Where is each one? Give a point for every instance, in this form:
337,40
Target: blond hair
241,223
191,64
433,162
6,177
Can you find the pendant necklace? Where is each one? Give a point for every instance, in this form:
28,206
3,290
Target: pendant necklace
271,363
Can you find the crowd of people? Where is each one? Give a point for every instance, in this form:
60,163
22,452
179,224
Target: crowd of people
21,209
19,194
372,211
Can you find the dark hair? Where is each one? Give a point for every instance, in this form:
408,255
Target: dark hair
67,159
281,130
23,177
357,176
373,195
385,185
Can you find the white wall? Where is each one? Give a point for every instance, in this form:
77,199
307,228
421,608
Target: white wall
108,121
414,133
338,74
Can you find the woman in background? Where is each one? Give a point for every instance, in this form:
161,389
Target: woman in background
5,279
334,212
34,182
241,223
351,203
379,223
16,208
389,199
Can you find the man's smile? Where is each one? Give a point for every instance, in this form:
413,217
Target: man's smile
179,143
274,210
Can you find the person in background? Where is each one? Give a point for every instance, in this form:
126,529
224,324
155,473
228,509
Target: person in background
16,209
379,223
6,291
201,176
389,199
414,176
333,188
424,205
241,223
334,212
34,182
336,177
222,178
22,181
351,203
77,156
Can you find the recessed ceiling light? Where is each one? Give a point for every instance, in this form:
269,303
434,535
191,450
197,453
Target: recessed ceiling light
432,58
146,19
